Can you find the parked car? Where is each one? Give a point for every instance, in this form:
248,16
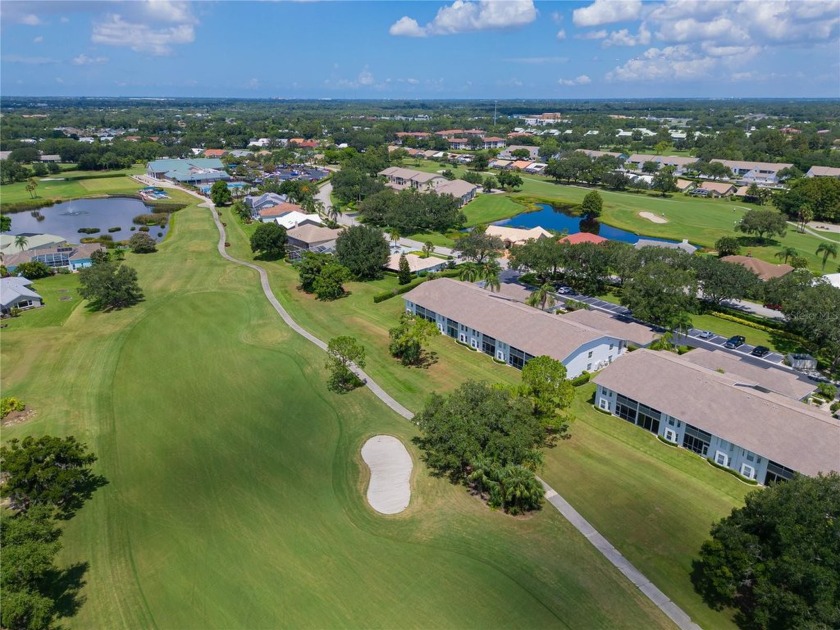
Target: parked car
760,351
773,307
705,334
735,342
563,290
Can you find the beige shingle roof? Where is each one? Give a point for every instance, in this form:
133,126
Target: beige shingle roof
311,234
523,327
764,270
516,235
620,328
786,431
457,188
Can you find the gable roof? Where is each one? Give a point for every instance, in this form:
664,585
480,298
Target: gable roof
823,171
15,287
722,188
528,329
784,430
764,270
618,327
415,263
647,242
279,210
311,234
457,188
517,235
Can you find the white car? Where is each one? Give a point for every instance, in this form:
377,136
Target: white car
705,334
565,290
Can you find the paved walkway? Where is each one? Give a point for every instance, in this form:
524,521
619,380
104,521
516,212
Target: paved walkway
669,608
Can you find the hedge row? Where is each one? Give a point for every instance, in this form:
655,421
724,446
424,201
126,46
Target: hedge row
764,327
581,379
387,295
750,317
734,473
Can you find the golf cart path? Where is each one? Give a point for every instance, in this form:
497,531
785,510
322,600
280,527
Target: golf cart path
669,608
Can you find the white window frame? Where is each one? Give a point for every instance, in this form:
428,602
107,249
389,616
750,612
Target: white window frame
440,328
473,343
670,435
462,338
500,355
604,404
747,471
721,458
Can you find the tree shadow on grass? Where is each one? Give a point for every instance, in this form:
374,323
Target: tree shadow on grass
64,586
754,241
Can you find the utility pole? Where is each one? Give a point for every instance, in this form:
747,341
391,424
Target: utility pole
495,104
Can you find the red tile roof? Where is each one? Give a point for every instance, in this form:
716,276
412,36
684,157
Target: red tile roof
583,237
214,153
279,210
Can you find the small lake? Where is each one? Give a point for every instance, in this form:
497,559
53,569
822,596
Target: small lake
64,219
552,218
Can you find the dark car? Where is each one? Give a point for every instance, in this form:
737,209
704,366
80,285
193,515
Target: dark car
760,351
734,342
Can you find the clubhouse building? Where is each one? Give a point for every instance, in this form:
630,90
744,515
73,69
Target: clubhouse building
509,331
750,423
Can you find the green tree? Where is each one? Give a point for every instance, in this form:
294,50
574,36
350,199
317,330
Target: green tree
478,420
109,286
719,280
477,246
21,242
31,187
470,272
309,268
762,222
661,294
664,180
490,272
592,205
787,252
30,543
269,241
777,559
650,167
727,246
50,471
519,491
100,256
489,184
343,354
33,270
820,194
142,243
509,180
394,235
363,250
813,311
5,223
542,297
408,337
329,285
544,384
827,250
428,249
220,193
404,275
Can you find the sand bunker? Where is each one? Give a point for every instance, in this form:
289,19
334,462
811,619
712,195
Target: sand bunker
652,217
390,465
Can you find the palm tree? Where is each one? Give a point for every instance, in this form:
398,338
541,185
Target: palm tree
787,252
490,273
542,297
521,491
827,249
469,272
21,242
333,212
483,473
428,249
394,235
806,215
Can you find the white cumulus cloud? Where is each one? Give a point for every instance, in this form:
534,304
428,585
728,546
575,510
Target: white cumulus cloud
84,60
625,38
581,80
30,19
140,37
464,16
561,34
606,12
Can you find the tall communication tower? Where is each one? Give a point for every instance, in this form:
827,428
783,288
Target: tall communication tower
495,103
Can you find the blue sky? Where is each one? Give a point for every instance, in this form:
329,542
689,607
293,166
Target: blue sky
503,49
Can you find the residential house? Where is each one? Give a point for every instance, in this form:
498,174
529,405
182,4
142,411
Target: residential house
596,154
536,167
583,237
214,153
715,189
33,242
259,142
450,133
194,171
685,185
754,172
764,270
548,118
823,171
507,330
728,418
400,178
520,165
17,292
312,238
458,144
64,256
684,245
416,264
507,154
491,142
680,164
294,219
463,191
833,279
516,236
265,200
500,163
624,328
268,214
52,157
418,135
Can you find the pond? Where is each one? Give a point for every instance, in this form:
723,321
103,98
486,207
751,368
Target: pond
64,219
552,218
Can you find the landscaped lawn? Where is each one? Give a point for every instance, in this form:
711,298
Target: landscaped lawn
61,296
73,185
655,503
235,495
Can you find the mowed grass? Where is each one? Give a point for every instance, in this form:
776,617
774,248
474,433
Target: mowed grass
236,489
89,184
61,296
654,502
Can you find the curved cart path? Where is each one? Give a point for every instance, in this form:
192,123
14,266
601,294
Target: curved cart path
669,608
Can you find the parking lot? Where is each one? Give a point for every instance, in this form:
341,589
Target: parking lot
716,342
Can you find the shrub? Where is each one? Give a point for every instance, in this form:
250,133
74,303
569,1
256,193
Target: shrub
87,230
114,229
9,404
133,228
33,270
156,218
142,244
835,406
734,473
28,204
581,379
666,442
144,228
827,391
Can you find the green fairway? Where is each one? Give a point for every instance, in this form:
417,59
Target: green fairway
64,186
655,503
236,490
